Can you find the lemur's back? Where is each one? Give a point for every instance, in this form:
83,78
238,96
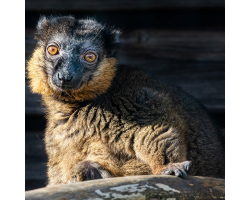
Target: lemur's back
149,102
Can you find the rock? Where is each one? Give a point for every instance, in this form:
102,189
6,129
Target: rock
135,187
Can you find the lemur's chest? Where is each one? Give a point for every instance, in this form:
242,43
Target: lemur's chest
114,125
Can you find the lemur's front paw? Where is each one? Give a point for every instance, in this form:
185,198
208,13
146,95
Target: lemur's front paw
88,170
177,169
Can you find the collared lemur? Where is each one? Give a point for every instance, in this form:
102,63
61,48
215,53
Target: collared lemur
111,120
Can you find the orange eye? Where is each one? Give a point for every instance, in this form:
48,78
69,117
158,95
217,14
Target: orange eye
90,57
53,50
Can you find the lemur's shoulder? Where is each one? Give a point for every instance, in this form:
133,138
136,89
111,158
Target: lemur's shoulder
136,81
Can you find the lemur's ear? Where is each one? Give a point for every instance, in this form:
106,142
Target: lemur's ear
112,40
116,34
42,23
41,27
46,25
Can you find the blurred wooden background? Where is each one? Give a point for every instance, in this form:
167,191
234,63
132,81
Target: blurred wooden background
182,42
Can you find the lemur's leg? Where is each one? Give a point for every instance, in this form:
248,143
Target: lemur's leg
163,150
88,170
97,164
102,162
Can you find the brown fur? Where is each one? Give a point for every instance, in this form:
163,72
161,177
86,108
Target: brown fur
122,122
40,82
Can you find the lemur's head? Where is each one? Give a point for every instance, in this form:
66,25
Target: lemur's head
74,59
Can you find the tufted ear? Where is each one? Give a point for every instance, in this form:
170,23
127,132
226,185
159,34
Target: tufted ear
116,35
42,23
41,27
46,25
112,40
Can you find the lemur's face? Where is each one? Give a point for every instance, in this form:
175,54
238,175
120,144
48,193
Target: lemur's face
72,59
73,55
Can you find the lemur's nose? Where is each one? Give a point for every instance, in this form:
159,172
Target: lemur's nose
64,78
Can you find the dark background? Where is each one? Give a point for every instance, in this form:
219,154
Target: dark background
175,41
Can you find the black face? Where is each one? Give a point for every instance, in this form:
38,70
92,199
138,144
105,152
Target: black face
73,59
74,49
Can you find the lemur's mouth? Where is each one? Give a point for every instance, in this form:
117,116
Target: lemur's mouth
67,87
